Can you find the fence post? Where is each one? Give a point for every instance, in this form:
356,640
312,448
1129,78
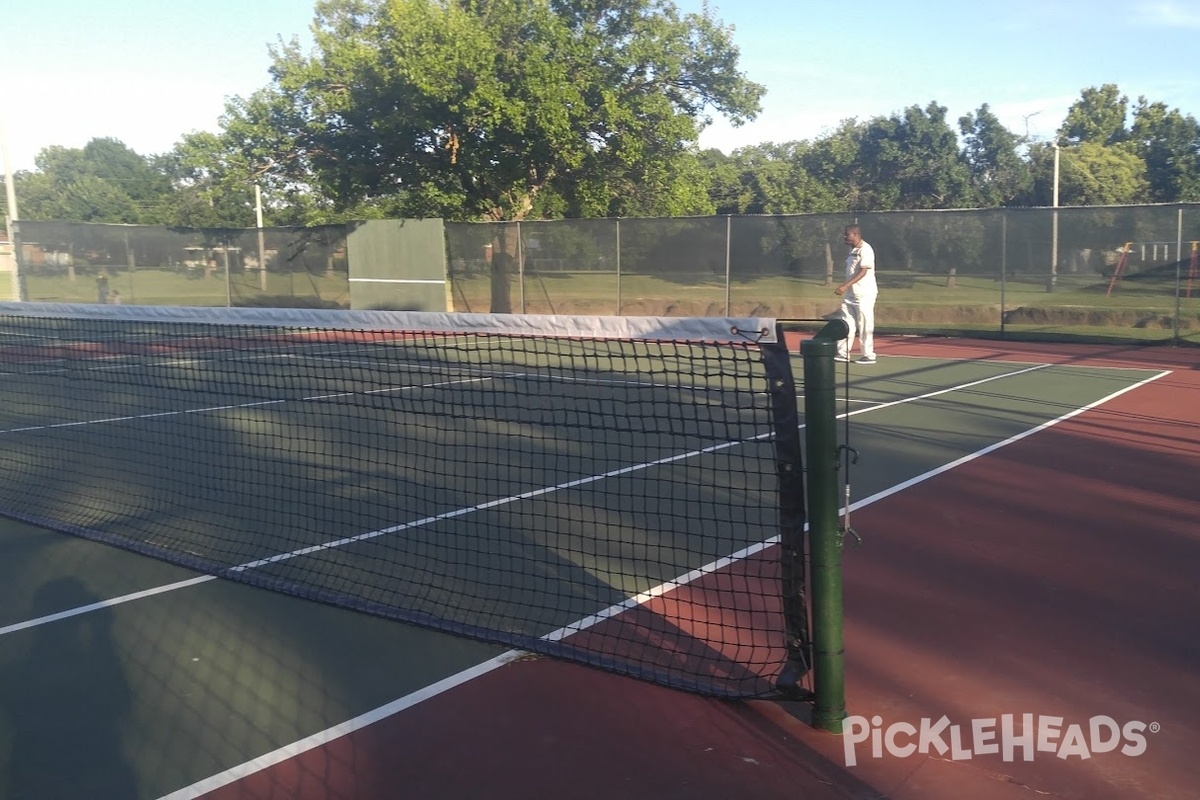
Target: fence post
1178,273
1003,270
521,266
728,236
13,216
618,268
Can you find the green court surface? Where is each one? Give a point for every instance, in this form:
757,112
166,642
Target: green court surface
904,422
143,693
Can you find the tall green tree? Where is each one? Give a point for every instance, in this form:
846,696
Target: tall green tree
911,161
1169,143
773,180
834,161
726,191
1098,116
1090,174
104,181
214,186
998,173
472,109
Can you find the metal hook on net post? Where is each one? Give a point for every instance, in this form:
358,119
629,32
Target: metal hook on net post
754,336
851,457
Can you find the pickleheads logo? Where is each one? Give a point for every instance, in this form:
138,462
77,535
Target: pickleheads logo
1006,737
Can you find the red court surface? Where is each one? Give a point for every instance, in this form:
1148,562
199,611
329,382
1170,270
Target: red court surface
1055,576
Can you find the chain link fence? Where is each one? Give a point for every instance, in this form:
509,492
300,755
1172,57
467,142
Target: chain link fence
149,265
1122,273
1126,273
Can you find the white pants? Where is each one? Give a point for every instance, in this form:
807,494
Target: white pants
859,313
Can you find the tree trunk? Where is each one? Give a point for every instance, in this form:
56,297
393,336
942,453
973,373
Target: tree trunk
504,260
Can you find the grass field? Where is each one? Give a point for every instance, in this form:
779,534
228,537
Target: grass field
1136,309
1080,305
148,286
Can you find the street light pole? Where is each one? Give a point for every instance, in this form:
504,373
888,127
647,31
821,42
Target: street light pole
1050,287
1056,151
13,217
262,253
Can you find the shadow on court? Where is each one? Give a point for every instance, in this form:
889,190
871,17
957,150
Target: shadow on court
47,739
1005,586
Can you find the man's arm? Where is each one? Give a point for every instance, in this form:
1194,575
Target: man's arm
858,276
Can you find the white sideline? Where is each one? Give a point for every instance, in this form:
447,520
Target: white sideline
268,760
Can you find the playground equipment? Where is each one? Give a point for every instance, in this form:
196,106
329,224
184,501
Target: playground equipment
1129,247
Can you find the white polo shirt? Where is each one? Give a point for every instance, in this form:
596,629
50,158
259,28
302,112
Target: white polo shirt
862,256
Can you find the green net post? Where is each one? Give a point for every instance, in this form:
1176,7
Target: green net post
820,430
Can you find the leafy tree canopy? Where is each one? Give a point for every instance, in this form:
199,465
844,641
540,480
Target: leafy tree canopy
912,160
420,122
1169,143
103,181
1098,116
998,174
477,108
1090,174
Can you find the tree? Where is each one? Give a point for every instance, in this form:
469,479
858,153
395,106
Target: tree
834,161
912,161
1097,117
772,179
998,174
1169,143
78,198
471,109
213,184
104,181
1090,174
725,190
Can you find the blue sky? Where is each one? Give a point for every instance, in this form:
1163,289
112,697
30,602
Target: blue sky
147,71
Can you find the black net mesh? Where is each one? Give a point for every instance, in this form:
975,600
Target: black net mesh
605,495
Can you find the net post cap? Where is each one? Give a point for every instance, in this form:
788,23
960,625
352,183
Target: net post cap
834,330
824,342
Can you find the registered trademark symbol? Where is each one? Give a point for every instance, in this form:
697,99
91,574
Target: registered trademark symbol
1155,727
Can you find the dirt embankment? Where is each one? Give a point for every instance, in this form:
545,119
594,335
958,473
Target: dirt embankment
907,315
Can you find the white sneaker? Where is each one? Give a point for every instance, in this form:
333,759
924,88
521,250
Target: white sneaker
866,360
841,358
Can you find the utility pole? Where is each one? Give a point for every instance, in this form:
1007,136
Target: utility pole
13,217
262,253
1053,284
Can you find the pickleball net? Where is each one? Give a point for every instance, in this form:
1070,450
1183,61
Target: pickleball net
607,490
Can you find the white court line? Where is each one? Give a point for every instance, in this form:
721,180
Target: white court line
534,376
503,501
484,373
233,407
625,470
960,387
337,543
997,445
115,601
268,760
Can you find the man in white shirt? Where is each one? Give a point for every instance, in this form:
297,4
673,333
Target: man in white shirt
858,293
